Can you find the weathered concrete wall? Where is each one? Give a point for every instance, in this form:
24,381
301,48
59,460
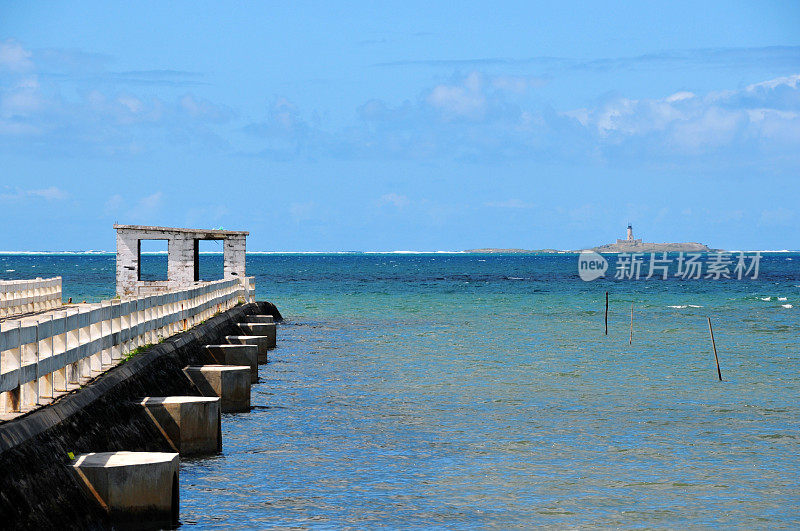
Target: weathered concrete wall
234,257
181,267
38,490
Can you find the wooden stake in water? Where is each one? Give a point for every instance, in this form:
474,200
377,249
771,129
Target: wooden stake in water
714,344
630,341
606,313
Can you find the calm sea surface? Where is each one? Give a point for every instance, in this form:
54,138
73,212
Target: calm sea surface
463,391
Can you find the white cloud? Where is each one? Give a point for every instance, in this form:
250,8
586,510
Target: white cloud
398,201
484,117
104,119
776,216
150,203
516,84
763,115
679,96
301,211
463,100
14,57
510,203
113,204
789,81
51,193
134,105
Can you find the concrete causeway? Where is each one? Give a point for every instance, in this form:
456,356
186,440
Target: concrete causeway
151,372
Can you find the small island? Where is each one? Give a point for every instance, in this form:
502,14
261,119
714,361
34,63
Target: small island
628,245
512,251
634,245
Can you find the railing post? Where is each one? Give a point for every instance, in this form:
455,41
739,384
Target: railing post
85,340
116,336
105,334
141,321
10,361
59,325
133,338
73,344
96,333
45,335
3,299
29,349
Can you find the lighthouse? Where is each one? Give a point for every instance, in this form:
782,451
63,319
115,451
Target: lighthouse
630,239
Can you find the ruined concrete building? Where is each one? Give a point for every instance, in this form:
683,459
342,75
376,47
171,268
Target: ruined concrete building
183,257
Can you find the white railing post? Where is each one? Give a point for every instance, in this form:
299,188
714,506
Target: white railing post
85,338
116,337
58,293
9,362
96,333
3,299
105,334
73,344
45,334
29,349
59,329
125,328
141,321
133,339
150,326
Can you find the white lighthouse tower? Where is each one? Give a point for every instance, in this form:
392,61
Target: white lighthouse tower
630,239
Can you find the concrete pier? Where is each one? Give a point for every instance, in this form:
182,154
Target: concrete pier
262,342
191,424
236,355
138,488
259,319
229,382
260,329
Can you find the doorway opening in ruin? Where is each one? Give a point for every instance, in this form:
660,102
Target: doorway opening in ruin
209,262
153,259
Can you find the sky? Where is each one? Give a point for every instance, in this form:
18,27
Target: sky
338,126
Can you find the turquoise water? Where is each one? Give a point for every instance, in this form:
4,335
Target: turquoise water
462,391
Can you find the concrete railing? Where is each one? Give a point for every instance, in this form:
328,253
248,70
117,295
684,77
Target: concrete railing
43,356
27,296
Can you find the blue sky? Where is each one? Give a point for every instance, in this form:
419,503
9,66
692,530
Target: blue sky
402,125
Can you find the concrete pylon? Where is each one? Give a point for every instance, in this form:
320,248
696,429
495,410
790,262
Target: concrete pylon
229,382
262,342
260,329
236,355
139,488
191,424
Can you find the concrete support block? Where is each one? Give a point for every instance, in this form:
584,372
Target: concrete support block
262,342
259,319
260,329
229,382
190,423
139,488
236,355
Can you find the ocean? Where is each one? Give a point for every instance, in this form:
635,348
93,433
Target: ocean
462,391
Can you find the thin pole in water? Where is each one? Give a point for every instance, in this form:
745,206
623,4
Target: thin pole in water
606,313
714,344
630,341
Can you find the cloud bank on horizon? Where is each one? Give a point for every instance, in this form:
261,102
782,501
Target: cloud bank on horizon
472,116
534,144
